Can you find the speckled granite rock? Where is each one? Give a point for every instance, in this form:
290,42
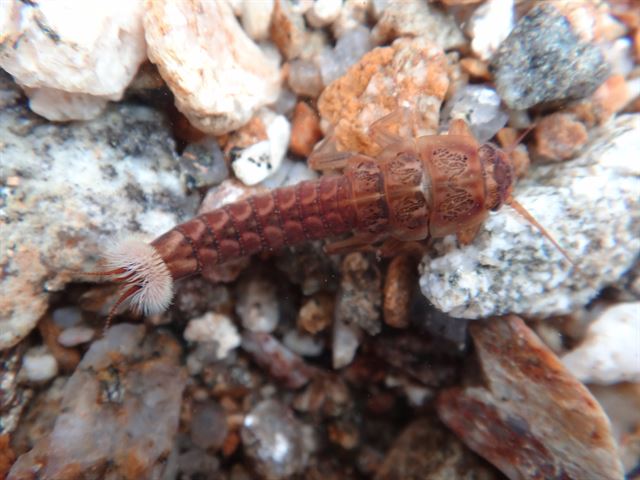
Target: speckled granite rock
590,205
545,59
119,414
76,188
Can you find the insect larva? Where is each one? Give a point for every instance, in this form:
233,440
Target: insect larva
414,189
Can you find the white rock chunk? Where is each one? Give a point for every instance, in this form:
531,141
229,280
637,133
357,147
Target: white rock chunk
489,25
38,365
257,304
72,57
610,352
323,12
256,18
214,328
261,160
590,205
220,78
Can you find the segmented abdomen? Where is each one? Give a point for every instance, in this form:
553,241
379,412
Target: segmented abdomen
266,222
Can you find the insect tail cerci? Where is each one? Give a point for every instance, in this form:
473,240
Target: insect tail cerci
415,189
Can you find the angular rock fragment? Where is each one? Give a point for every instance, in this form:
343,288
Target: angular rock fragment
119,414
218,75
359,298
410,73
72,57
104,179
583,203
544,59
415,18
532,419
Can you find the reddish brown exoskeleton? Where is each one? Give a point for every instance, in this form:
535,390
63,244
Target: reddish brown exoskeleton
414,189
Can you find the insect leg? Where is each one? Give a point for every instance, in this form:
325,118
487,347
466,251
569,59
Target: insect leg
460,127
387,130
326,157
360,242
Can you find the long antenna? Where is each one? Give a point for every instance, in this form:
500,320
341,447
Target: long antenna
527,216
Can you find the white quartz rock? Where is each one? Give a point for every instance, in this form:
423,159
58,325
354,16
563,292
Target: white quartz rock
214,328
592,208
219,76
610,352
256,18
489,25
263,159
72,57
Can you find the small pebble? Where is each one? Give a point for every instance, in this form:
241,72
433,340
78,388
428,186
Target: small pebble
257,304
303,343
304,78
480,107
202,165
256,18
398,287
208,425
279,362
273,440
38,365
214,328
323,12
350,47
489,25
65,317
261,160
316,313
610,352
305,131
559,136
74,336
346,340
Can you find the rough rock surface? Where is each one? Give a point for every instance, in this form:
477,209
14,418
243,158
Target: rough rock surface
61,213
119,414
218,75
72,57
544,60
410,73
415,18
590,205
610,352
533,419
427,450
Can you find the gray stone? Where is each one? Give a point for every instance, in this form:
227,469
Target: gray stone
272,438
544,60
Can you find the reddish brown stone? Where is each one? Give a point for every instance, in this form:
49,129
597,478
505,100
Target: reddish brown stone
316,314
410,73
7,457
67,358
476,68
305,130
397,291
560,136
533,419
